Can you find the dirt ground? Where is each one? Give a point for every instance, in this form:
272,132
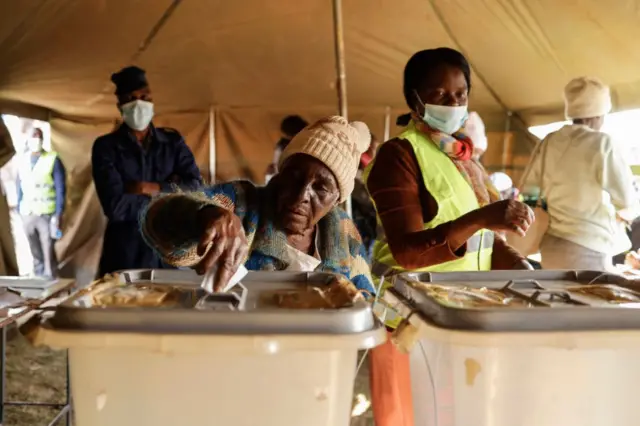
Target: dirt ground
39,374
362,386
33,374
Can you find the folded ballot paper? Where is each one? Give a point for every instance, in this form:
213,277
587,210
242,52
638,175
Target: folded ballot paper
207,281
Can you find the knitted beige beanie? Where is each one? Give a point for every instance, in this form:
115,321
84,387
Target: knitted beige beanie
337,143
586,97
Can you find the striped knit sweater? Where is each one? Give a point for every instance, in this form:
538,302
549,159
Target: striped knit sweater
169,225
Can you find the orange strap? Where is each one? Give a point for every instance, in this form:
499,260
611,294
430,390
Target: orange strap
390,379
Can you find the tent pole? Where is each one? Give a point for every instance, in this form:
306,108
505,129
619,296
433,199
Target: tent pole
212,144
387,124
338,28
505,140
341,86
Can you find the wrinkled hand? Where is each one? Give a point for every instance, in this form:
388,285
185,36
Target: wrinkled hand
507,215
143,188
632,259
55,228
57,220
625,221
223,232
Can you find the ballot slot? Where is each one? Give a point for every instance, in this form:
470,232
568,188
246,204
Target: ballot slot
174,302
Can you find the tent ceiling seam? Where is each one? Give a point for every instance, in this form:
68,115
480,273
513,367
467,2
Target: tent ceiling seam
456,42
458,45
19,29
156,29
144,45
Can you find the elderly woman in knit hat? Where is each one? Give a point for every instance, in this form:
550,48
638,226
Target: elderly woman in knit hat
293,223
585,180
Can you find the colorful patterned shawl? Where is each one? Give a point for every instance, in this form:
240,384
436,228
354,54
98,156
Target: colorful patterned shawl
169,225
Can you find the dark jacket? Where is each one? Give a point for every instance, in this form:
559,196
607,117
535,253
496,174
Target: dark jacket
117,160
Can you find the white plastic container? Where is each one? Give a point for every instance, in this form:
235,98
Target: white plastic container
530,378
232,378
167,380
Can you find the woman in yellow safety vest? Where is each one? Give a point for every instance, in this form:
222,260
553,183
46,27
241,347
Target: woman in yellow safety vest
436,208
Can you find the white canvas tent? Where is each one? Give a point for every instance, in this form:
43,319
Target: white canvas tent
8,261
252,62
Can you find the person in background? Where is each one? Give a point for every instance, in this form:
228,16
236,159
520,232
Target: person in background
500,180
290,126
362,209
132,164
368,156
476,132
294,223
504,184
41,189
586,183
436,206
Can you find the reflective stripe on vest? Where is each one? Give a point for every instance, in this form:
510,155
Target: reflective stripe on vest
454,197
38,192
475,245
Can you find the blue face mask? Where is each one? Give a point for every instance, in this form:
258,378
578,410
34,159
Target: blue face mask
447,119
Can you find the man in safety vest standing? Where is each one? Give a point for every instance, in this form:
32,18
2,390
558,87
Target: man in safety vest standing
41,192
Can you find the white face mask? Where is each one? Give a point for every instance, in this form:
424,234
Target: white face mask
447,119
34,144
137,114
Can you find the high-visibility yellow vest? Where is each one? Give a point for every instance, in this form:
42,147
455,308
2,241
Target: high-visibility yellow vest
38,192
454,197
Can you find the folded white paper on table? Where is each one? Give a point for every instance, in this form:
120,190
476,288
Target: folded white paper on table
207,281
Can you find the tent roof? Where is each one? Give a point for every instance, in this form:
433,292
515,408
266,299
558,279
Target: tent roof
259,53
